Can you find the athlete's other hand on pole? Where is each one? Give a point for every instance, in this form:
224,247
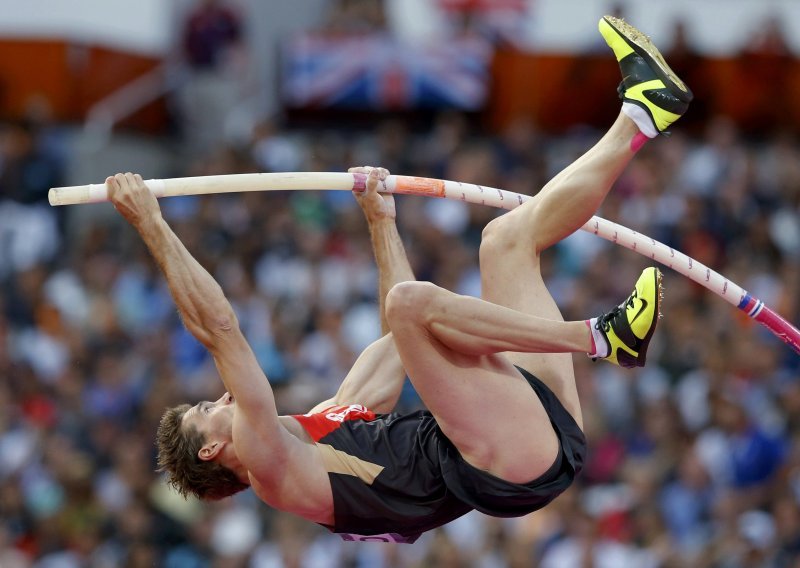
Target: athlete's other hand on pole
376,205
131,197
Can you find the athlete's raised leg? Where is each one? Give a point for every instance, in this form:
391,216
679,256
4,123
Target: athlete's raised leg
450,344
653,97
512,243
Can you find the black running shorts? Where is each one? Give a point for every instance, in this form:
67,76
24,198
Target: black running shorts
499,498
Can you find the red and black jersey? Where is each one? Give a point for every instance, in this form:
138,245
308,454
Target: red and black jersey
384,471
395,476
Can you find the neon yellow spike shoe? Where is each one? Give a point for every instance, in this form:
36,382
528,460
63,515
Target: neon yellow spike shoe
626,330
652,94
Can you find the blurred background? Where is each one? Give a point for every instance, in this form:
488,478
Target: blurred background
694,460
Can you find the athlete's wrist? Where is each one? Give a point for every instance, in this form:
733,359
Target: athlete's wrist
380,220
149,224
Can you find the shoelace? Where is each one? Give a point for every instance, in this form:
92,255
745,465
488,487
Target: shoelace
604,321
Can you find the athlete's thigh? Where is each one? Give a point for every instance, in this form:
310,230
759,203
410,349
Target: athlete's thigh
511,277
482,404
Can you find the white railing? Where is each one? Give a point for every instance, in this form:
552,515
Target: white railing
129,99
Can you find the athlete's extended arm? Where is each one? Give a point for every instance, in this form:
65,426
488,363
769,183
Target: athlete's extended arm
205,311
377,376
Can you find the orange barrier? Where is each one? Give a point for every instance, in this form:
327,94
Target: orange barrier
30,69
71,78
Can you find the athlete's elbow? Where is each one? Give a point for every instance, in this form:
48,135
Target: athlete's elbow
223,324
216,327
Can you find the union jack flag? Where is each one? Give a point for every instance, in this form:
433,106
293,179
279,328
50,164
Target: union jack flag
380,73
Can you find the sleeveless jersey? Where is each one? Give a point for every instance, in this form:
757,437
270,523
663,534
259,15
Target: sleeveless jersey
385,472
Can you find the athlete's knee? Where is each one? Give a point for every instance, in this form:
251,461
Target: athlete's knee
409,302
505,235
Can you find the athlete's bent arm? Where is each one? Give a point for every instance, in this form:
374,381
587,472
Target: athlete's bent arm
208,316
377,376
390,255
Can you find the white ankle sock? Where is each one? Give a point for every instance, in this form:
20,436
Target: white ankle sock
638,115
601,347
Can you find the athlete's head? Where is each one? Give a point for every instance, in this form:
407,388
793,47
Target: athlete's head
193,442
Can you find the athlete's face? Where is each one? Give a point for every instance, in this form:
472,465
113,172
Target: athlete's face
212,419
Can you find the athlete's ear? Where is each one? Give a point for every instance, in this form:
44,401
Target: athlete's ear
210,450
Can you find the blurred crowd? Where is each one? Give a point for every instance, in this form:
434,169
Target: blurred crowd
693,460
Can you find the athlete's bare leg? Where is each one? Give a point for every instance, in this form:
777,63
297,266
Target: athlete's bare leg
512,243
653,98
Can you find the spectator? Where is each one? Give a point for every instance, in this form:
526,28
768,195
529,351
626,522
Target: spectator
214,54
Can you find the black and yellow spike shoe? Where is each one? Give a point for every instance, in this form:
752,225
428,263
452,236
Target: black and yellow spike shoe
652,94
628,328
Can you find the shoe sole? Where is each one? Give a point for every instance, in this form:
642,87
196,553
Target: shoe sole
642,45
646,340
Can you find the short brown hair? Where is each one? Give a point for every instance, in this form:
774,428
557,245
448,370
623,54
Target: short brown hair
178,449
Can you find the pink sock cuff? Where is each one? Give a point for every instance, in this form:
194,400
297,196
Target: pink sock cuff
591,337
638,141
